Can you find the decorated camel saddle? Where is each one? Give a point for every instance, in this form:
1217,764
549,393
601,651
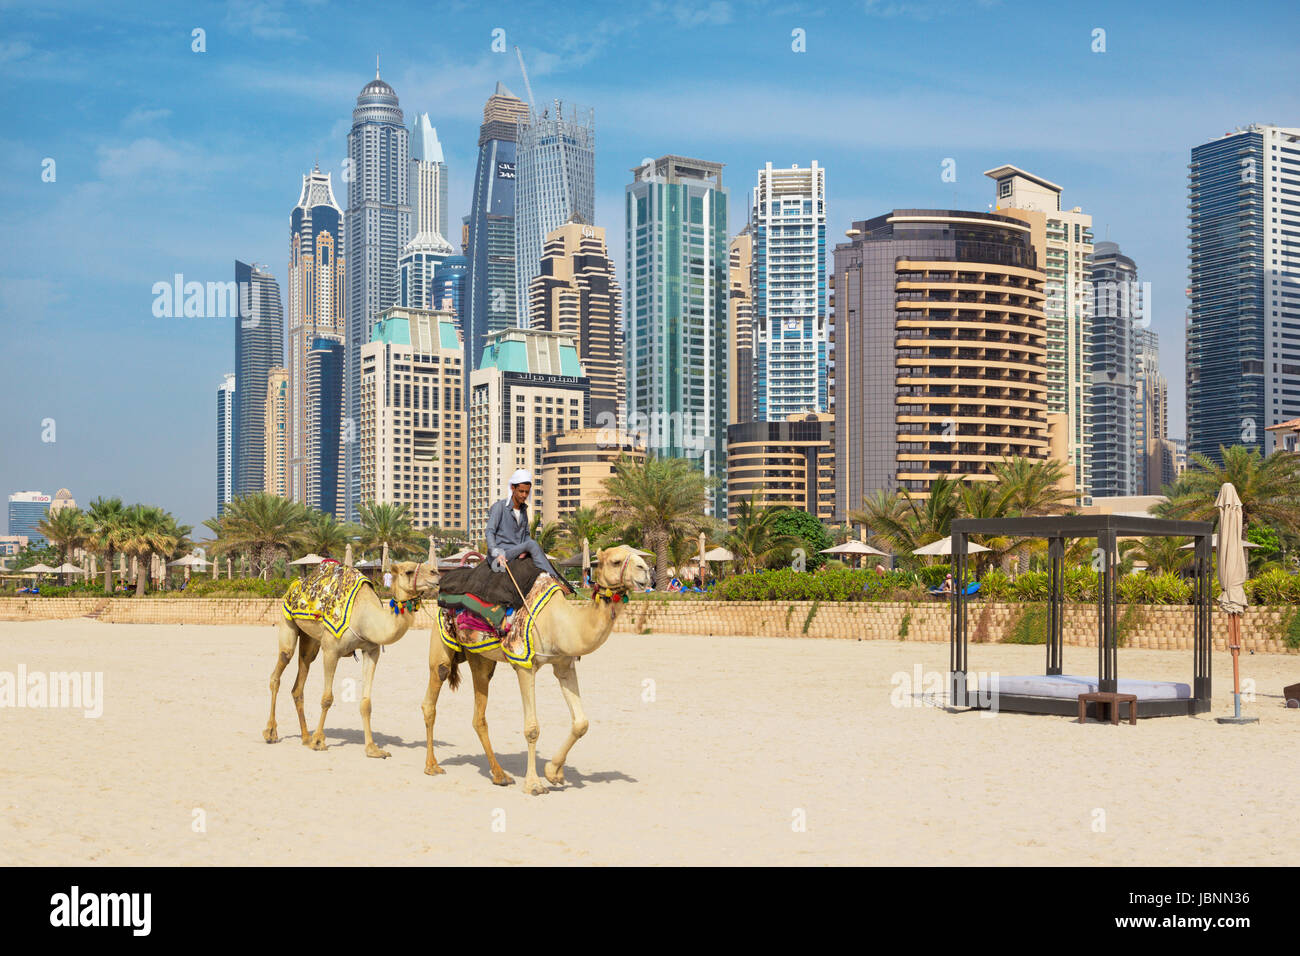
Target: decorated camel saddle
329,595
463,629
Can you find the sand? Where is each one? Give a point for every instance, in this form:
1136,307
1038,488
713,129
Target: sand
701,751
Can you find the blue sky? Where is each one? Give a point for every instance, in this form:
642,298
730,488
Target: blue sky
168,160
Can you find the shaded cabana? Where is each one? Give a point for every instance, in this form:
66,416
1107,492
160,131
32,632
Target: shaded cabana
1055,692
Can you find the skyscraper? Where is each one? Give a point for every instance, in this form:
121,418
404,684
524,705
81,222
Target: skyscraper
1150,422
429,247
928,384
557,183
740,329
377,228
428,178
529,385
275,464
27,510
1243,334
450,288
325,369
259,347
676,328
1064,242
225,441
490,227
317,307
1116,307
576,293
788,220
411,435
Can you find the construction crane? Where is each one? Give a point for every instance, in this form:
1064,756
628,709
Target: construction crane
528,87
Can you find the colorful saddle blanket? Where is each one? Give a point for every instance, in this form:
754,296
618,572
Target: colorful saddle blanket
328,596
494,614
519,644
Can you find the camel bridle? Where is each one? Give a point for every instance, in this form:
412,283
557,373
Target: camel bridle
618,592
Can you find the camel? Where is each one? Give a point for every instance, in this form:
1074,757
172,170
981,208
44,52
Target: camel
374,624
565,632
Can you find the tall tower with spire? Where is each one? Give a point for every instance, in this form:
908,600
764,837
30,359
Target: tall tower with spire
377,228
317,307
490,228
430,248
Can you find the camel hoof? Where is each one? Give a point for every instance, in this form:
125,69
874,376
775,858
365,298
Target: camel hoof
535,787
373,751
434,770
270,736
555,774
318,743
503,779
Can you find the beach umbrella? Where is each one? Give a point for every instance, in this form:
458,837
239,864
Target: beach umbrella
347,556
704,558
41,569
586,559
1214,540
433,554
1232,579
852,547
944,546
383,562
312,558
69,569
216,569
719,554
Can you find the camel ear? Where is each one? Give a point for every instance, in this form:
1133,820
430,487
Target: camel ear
600,555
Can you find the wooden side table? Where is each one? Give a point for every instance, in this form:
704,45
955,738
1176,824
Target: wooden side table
1114,700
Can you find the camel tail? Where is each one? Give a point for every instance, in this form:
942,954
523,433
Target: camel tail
453,679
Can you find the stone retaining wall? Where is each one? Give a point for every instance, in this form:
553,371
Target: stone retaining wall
1156,627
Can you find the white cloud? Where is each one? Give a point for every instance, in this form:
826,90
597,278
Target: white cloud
140,116
143,157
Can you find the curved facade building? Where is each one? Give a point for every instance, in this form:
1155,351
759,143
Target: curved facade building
941,351
789,464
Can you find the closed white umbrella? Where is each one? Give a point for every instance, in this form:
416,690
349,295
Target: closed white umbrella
944,546
347,556
1232,579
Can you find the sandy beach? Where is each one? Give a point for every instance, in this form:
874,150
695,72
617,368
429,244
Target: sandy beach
701,751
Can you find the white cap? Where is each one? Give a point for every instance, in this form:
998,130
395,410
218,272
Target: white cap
521,477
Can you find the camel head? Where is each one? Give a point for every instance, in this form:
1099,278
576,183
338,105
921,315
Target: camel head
621,569
412,580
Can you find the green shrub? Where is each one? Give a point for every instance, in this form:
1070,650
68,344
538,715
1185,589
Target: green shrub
1030,626
1274,586
932,575
996,585
1291,636
905,624
1031,586
1080,584
812,613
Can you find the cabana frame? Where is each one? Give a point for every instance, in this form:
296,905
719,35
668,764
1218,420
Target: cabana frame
1107,529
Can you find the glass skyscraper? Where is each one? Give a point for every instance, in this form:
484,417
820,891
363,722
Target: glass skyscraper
324,438
788,225
490,229
1116,306
676,312
449,285
259,347
225,441
316,308
377,227
557,184
1243,334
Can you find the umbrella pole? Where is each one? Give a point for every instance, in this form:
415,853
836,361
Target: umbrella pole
1235,627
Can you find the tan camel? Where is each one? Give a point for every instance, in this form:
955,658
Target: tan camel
564,632
374,624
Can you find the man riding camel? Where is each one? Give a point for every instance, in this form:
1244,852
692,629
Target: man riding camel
507,530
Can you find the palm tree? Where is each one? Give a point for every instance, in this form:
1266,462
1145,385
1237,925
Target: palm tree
107,519
325,535
1159,554
387,524
261,526
586,523
546,535
984,499
904,522
754,540
1269,488
149,530
662,498
66,529
1032,486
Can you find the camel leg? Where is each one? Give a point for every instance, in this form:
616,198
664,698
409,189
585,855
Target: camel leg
481,669
308,648
327,698
288,635
532,730
567,674
440,665
367,681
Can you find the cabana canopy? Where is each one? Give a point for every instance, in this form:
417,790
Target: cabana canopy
1057,693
